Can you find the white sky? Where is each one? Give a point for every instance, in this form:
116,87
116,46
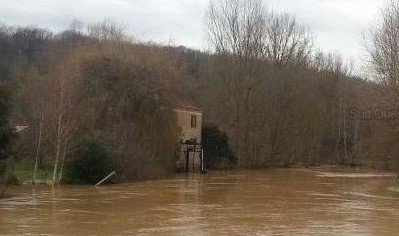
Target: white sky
336,24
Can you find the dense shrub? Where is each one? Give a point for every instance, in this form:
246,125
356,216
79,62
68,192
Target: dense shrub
5,136
127,96
5,131
92,163
217,150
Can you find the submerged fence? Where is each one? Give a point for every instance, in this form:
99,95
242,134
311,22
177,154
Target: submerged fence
191,158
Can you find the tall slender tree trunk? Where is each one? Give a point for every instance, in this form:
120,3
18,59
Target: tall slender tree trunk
356,143
242,160
57,155
345,137
310,155
39,143
338,140
59,136
62,162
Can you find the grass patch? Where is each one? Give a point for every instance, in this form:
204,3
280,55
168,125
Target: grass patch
24,172
394,191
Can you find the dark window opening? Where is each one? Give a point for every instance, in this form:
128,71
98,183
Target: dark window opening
193,121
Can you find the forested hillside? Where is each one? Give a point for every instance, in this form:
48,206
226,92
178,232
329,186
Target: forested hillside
280,101
70,88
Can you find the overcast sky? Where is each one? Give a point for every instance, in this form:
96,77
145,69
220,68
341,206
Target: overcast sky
336,24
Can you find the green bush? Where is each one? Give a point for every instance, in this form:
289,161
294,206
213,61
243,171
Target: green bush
218,153
92,163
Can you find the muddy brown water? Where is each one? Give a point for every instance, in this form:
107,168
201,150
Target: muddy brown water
267,202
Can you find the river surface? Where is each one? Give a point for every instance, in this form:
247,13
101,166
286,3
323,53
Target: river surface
267,202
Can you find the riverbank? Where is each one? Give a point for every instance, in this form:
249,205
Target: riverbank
323,171
24,171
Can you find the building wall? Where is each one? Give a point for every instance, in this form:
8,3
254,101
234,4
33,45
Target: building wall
184,122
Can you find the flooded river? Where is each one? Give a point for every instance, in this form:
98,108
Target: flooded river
267,202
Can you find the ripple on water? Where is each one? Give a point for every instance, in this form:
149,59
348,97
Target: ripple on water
282,202
353,175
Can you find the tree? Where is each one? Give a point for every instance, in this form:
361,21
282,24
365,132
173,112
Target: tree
256,54
248,30
5,138
216,143
384,45
29,43
236,27
106,31
93,163
286,41
383,48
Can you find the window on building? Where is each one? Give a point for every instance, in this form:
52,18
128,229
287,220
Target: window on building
193,121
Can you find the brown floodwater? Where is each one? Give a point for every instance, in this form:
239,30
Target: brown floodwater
266,202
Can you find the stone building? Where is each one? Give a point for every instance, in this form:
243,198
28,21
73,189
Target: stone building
189,120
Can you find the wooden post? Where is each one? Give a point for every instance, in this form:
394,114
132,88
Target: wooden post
194,156
187,159
107,177
202,160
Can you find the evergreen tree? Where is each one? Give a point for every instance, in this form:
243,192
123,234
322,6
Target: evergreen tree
217,148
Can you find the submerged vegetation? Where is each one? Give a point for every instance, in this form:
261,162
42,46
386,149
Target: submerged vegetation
218,151
273,99
93,162
5,140
23,172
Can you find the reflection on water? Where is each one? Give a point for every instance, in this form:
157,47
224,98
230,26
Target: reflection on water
219,203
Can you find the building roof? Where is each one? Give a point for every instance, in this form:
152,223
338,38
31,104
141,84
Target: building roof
186,106
189,108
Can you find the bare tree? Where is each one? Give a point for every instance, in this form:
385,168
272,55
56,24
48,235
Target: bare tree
236,27
236,31
247,37
286,40
332,63
384,46
383,49
246,29
106,30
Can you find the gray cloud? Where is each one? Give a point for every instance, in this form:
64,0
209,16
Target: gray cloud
336,24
